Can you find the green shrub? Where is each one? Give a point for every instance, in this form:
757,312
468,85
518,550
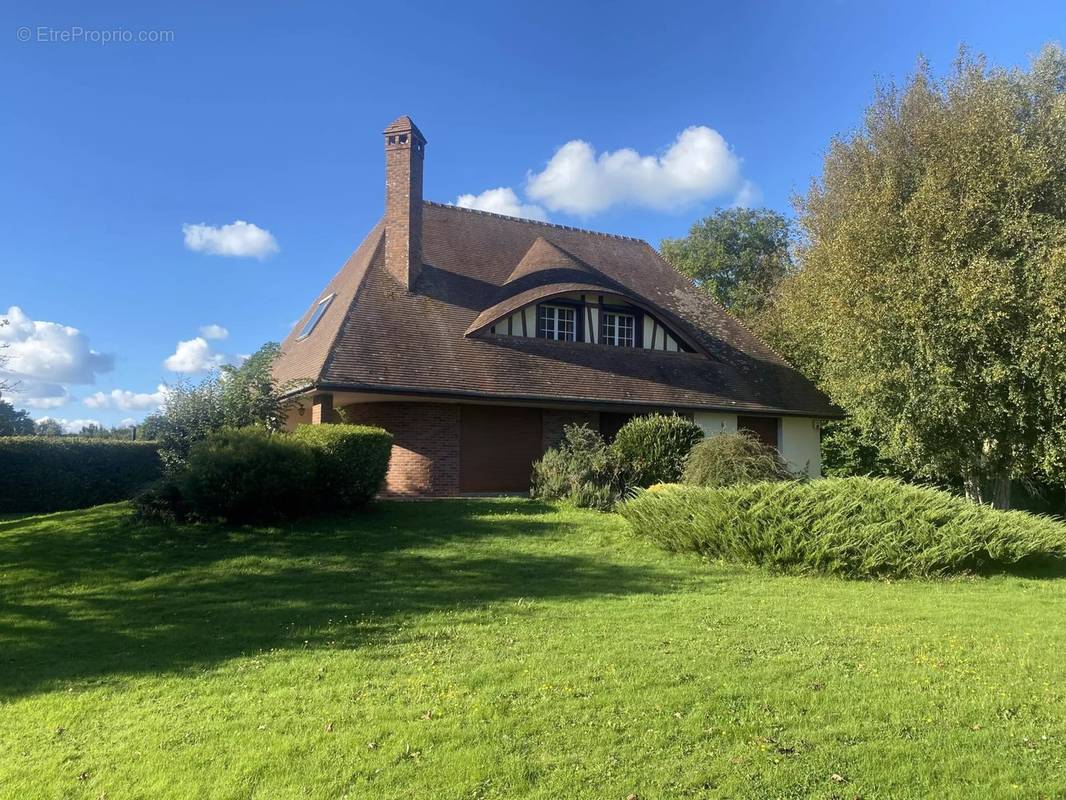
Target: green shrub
248,475
731,458
652,449
581,470
42,474
161,501
852,527
350,461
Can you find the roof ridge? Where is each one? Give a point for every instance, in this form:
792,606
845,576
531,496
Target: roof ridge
535,222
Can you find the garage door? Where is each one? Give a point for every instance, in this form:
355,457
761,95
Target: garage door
497,448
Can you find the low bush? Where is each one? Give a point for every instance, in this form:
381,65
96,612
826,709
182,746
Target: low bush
652,449
581,470
248,475
731,458
41,474
350,461
161,501
851,527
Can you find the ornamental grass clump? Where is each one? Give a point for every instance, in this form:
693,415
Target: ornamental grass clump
849,527
731,458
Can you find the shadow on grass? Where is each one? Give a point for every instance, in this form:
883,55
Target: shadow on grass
88,595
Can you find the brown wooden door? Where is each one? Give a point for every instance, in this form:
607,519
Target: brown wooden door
765,428
497,448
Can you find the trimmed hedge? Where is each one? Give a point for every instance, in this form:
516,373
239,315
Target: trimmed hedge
42,474
652,449
851,527
247,475
350,461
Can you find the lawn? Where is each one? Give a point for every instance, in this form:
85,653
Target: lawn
502,649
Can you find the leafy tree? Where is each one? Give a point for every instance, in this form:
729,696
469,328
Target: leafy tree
234,397
5,383
47,427
14,422
737,255
932,300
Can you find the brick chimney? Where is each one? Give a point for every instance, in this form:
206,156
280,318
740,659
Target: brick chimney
405,147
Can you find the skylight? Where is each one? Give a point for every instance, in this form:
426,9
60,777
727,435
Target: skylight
316,315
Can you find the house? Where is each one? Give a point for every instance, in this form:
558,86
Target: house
474,338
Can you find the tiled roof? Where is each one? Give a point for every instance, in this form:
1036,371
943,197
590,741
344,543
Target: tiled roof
377,336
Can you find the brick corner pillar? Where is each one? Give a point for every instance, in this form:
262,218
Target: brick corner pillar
322,409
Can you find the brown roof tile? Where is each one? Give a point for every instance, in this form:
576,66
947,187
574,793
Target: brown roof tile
391,340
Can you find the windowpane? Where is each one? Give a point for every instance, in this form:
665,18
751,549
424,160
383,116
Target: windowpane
557,322
619,329
316,315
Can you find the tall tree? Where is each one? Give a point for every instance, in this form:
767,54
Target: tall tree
932,300
14,422
738,255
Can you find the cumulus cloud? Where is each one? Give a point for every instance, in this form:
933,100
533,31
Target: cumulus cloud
239,239
34,394
72,425
213,332
194,355
501,201
48,351
698,165
126,400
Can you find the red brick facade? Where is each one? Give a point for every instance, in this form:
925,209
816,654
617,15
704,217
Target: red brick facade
425,452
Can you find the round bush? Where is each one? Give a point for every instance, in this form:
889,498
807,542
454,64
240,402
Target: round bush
350,461
248,475
653,448
731,458
852,527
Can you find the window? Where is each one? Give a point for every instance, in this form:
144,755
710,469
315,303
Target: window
618,329
316,315
557,322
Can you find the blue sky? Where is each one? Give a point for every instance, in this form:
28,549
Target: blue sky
271,114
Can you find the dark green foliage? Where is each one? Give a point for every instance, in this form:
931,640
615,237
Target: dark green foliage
652,449
235,397
847,451
350,461
581,470
14,422
248,475
731,458
737,255
851,527
161,501
56,473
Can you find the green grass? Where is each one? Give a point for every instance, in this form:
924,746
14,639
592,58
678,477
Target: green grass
502,649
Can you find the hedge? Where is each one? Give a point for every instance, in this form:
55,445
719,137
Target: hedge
41,474
350,461
852,527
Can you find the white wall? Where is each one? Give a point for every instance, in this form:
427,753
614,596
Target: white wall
800,440
801,445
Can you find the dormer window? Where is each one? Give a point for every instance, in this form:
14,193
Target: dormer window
316,315
618,329
557,322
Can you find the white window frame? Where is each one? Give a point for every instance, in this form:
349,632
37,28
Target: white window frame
611,331
553,331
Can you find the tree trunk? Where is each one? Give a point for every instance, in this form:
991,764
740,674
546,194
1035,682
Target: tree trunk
972,485
1000,493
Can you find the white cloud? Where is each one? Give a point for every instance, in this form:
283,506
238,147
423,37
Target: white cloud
194,355
699,165
48,351
33,394
127,400
214,332
501,201
747,196
128,422
239,239
72,425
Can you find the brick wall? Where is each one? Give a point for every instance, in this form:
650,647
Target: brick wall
425,451
555,420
